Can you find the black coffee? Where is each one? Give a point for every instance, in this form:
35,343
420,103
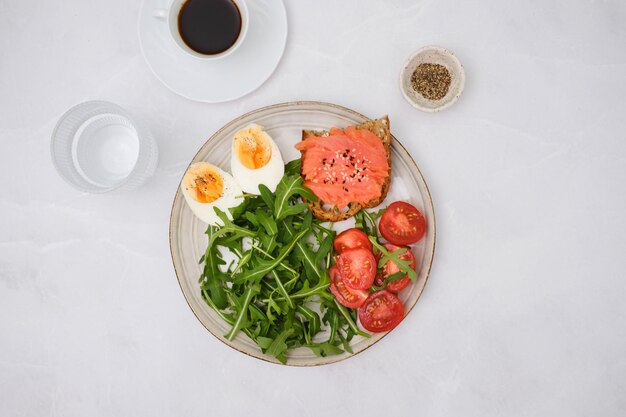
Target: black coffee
209,26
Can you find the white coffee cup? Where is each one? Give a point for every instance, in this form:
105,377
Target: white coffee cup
170,17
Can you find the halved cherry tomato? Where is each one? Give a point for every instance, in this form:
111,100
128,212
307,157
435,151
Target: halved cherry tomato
381,311
402,224
344,294
351,239
357,268
391,268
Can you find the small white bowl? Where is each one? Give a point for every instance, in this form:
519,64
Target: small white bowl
432,55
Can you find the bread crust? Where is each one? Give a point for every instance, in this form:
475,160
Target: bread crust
379,127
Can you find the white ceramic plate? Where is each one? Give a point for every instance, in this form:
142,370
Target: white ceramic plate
284,122
214,81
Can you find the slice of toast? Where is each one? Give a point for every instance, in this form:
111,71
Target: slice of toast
379,127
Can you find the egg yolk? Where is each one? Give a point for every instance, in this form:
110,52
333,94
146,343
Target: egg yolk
205,184
253,149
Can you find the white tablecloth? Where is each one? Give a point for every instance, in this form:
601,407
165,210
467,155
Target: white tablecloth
524,312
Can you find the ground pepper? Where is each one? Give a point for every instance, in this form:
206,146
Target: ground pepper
431,81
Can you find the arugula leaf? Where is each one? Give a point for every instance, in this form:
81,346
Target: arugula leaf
305,254
245,258
311,317
237,211
266,196
389,279
233,242
324,249
228,228
403,265
333,320
293,209
324,349
344,312
210,279
282,290
251,217
307,221
319,289
359,221
366,221
256,314
219,312
293,167
287,188
267,222
241,320
265,266
267,242
284,265
264,342
278,347
272,305
346,343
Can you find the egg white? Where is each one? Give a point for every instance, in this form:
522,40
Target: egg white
231,197
269,175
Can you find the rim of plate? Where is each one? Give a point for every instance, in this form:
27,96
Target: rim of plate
428,199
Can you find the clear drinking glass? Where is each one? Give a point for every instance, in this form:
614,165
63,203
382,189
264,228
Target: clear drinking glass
98,147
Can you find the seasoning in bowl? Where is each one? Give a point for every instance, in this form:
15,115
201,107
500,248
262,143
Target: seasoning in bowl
432,81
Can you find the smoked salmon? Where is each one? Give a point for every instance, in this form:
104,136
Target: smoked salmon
348,166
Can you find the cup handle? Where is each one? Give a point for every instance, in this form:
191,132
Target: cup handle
160,14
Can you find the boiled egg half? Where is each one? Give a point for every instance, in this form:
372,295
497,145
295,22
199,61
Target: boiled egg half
206,186
256,160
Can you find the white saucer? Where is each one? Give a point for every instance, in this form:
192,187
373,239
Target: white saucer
228,78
